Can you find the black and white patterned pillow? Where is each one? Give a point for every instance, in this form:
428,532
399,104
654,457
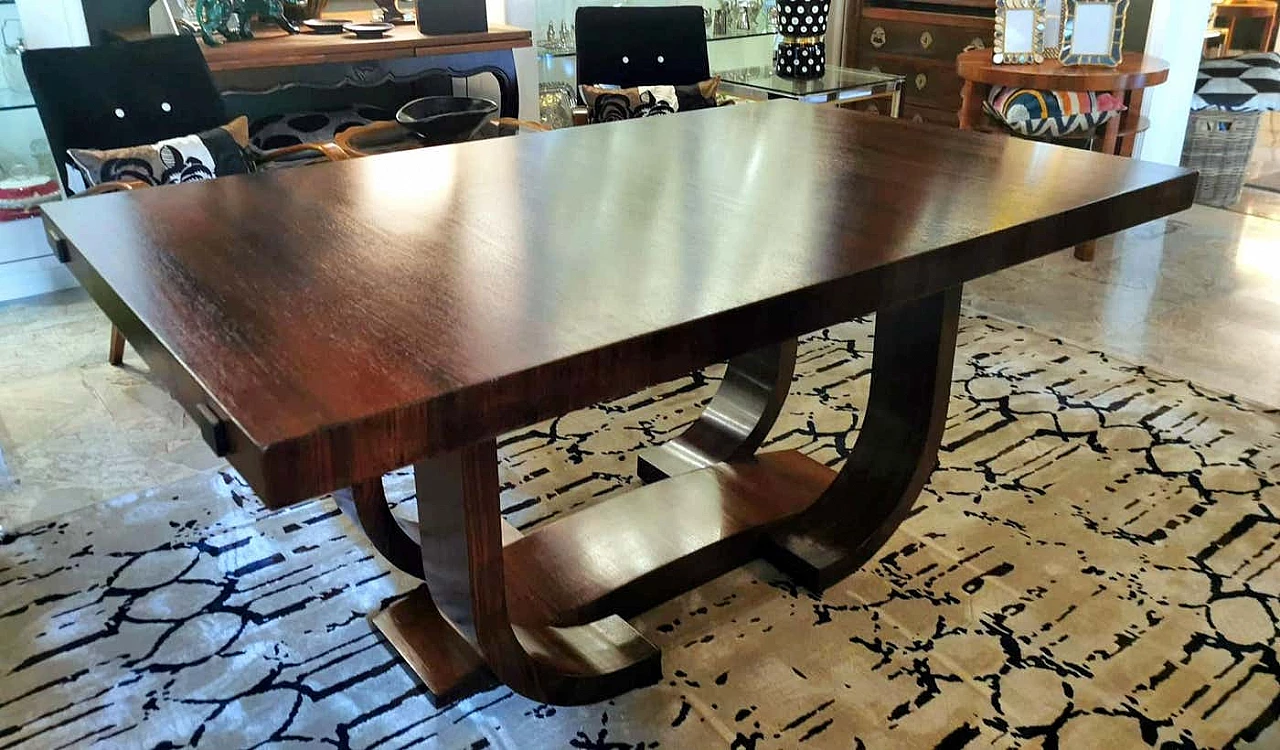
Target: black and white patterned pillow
202,156
1248,83
279,131
607,103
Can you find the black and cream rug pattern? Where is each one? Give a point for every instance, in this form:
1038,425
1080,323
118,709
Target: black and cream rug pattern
1095,563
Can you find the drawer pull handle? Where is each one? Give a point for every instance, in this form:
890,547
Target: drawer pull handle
926,40
922,81
917,119
213,429
879,37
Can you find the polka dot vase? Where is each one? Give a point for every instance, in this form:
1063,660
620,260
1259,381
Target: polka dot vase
802,25
792,60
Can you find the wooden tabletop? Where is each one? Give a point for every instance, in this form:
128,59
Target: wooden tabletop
1136,71
274,48
350,318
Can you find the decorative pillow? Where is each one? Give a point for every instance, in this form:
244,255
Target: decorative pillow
1051,114
279,131
608,103
203,156
1246,83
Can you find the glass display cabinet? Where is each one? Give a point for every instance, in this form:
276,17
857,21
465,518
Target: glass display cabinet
27,174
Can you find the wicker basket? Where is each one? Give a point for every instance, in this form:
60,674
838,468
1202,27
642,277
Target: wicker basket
1220,144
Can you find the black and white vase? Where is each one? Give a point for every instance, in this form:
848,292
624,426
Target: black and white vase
802,25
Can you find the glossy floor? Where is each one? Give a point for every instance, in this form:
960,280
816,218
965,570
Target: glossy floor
1196,295
1264,170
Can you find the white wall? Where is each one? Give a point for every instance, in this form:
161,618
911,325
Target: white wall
53,23
1176,35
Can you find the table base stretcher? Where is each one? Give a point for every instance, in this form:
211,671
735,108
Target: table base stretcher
546,612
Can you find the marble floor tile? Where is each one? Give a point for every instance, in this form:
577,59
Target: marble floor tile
1196,295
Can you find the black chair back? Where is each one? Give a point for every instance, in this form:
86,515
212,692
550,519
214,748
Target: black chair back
642,46
122,94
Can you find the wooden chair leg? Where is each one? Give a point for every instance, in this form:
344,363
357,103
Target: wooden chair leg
735,422
1086,250
895,453
116,355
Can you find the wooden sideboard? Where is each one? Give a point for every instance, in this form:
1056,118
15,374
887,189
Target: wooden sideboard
278,72
919,40
276,49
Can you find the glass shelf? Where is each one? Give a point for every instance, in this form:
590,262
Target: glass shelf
569,52
12,100
24,150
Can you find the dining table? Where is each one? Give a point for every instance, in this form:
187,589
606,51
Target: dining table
329,324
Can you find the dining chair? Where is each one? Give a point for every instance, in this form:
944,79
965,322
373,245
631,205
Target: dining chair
642,46
128,94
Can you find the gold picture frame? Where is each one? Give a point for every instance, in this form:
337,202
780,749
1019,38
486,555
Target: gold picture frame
1019,32
1093,32
1055,15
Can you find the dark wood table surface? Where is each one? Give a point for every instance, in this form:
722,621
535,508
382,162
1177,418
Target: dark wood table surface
332,323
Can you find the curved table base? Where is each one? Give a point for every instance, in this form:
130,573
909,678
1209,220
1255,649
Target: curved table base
527,610
737,419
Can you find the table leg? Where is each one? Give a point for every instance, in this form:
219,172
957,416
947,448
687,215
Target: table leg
737,419
464,604
544,612
366,505
971,104
895,453
1111,133
1129,122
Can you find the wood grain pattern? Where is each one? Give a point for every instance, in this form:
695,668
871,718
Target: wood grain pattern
545,609
366,505
463,565
736,421
351,318
1135,71
276,49
896,450
624,555
445,662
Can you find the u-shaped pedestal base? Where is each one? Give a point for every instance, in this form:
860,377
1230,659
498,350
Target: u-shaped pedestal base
530,611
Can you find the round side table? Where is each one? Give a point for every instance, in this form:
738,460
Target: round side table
1126,82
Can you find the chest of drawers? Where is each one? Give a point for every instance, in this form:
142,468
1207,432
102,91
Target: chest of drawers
919,40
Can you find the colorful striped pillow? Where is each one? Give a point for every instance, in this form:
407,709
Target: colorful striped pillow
1050,114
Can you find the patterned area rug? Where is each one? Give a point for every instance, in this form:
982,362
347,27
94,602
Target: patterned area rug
1095,564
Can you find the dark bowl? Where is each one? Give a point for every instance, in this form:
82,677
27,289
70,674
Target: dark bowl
446,119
